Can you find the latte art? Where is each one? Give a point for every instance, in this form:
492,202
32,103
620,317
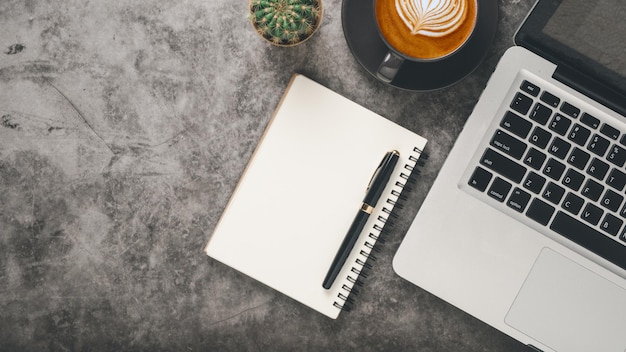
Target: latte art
432,18
436,28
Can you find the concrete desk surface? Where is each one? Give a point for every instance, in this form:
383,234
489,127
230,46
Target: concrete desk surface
125,126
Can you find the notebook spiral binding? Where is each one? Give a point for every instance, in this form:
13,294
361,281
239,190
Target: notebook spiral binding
376,237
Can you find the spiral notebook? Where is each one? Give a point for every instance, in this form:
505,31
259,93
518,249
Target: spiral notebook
301,190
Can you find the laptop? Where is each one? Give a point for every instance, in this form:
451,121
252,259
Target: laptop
525,225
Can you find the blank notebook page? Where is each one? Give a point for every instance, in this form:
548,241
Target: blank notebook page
301,190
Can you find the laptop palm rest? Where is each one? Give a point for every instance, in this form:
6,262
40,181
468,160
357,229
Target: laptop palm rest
561,299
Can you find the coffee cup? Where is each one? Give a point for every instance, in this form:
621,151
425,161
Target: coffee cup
422,30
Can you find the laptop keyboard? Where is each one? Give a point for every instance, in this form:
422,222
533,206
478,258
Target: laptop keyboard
560,167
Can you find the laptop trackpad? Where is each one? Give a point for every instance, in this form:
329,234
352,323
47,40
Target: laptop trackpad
569,308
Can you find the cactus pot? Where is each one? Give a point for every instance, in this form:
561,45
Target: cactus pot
286,22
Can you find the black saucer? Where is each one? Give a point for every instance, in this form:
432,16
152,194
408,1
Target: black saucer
359,28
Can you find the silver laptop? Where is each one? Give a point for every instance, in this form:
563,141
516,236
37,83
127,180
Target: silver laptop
525,225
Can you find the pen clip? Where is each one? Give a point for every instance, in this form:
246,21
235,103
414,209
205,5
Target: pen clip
380,166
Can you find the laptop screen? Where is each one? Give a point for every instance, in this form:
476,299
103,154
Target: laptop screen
583,36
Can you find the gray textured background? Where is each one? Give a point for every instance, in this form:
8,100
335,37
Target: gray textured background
125,126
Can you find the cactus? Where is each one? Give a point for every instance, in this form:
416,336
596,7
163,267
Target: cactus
285,22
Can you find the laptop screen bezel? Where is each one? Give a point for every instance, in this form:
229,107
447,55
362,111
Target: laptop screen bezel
531,36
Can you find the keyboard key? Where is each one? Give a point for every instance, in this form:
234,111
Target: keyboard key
573,179
534,158
516,125
598,145
550,99
541,114
518,200
589,238
570,110
560,124
554,169
499,189
508,144
592,190
623,236
616,179
611,224
590,121
611,200
503,165
579,134
578,158
480,179
530,88
610,131
521,103
623,140
573,203
540,137
598,168
616,155
540,211
592,214
553,193
534,182
559,148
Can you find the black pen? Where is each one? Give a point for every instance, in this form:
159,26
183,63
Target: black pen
372,194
